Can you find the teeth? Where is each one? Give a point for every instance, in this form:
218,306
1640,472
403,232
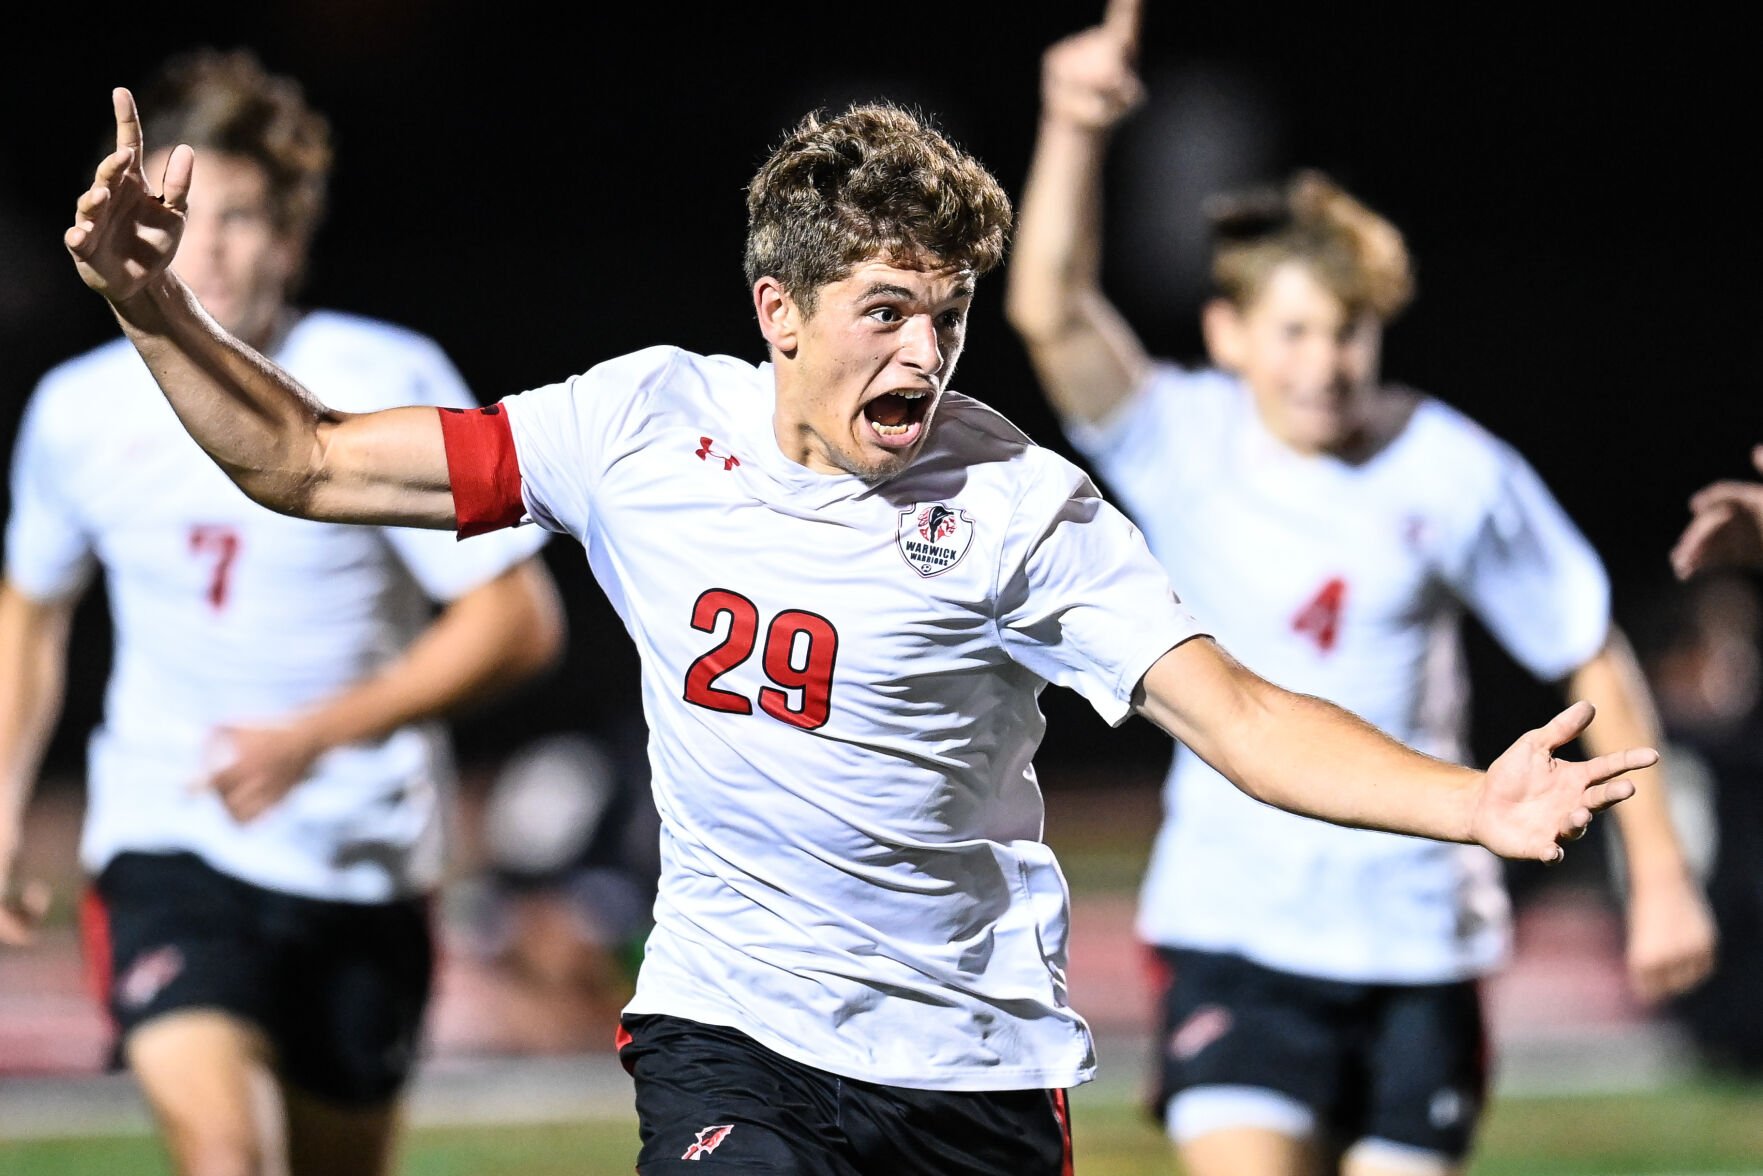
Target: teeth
918,395
890,430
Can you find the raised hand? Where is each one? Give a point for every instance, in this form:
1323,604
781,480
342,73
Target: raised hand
1090,78
1725,529
123,235
1531,804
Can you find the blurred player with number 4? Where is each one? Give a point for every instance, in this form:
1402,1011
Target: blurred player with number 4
1319,983
848,586
267,792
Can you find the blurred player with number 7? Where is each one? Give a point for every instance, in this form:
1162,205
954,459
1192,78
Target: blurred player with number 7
267,792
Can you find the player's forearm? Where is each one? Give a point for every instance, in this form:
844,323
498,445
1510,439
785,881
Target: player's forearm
1056,256
258,424
489,640
1613,683
33,652
1304,754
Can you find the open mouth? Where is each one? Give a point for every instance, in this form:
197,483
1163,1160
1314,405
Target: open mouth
897,417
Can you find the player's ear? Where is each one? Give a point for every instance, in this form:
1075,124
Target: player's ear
1222,325
780,319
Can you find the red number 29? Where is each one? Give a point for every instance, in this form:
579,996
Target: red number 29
800,648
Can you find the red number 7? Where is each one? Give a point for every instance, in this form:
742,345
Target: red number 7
223,543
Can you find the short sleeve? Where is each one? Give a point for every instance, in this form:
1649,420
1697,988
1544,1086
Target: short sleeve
563,434
48,550
447,567
1530,575
1084,604
1150,439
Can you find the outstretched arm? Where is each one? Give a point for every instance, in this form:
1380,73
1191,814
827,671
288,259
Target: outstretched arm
492,638
33,669
1725,528
1087,357
1670,929
286,450
1309,756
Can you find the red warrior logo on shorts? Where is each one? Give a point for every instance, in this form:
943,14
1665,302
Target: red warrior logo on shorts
147,977
708,1141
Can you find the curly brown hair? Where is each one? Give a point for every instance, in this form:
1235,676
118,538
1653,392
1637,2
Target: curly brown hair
226,101
1352,250
875,180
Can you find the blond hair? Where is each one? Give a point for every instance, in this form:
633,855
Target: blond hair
1310,219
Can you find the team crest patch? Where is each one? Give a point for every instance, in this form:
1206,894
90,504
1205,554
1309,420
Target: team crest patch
934,536
147,977
709,1139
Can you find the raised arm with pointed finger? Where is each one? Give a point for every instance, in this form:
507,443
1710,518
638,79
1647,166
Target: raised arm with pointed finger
281,446
1087,357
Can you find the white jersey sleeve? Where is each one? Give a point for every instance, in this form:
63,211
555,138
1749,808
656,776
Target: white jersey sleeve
1158,440
1530,575
48,550
1088,607
563,433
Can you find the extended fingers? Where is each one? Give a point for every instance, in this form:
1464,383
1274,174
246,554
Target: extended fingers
1566,727
1123,19
175,187
1739,494
1694,548
128,120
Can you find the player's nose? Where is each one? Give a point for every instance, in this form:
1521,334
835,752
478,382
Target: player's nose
920,349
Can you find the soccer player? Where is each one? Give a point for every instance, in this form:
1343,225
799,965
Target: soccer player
1319,983
267,790
848,586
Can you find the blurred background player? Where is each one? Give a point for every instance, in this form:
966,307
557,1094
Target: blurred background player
267,792
1319,988
570,845
1706,659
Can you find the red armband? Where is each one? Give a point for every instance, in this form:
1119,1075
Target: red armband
482,469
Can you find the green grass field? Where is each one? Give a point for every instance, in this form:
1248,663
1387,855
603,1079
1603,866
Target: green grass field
1695,1130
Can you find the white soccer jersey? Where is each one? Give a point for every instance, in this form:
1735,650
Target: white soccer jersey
227,613
1345,582
841,684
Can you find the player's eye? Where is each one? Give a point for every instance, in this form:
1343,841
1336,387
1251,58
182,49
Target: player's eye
951,320
884,314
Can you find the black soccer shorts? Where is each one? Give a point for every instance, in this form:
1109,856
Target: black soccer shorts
339,988
709,1093
1403,1063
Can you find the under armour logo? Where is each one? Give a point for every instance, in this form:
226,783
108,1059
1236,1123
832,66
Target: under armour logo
707,450
709,1139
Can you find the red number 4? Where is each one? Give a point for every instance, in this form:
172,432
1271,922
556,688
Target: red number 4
800,648
223,544
1320,619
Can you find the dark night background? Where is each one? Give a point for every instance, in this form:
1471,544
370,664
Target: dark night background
539,199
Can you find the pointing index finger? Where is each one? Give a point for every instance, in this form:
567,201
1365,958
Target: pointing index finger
128,121
1122,18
